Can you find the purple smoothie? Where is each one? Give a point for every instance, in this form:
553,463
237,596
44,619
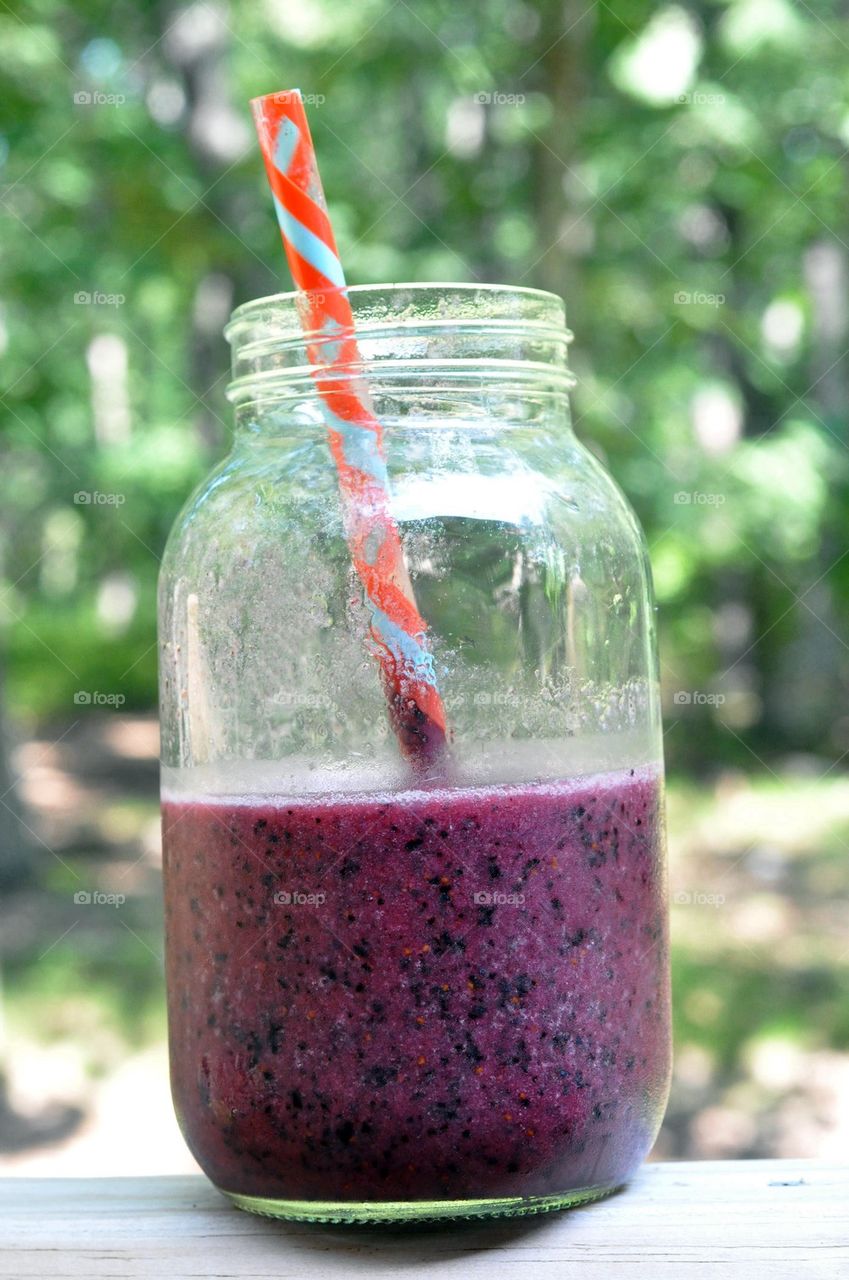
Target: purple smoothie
422,995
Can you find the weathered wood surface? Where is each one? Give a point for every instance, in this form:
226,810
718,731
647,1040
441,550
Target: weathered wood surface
762,1220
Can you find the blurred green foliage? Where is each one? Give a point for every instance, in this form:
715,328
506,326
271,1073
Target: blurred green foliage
679,173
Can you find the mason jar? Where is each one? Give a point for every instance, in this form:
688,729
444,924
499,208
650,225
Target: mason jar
397,994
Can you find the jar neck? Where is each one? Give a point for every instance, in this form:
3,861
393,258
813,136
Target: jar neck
423,353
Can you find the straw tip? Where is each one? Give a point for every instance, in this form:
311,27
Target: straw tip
281,96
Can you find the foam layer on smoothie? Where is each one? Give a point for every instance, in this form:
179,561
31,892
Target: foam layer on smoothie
487,764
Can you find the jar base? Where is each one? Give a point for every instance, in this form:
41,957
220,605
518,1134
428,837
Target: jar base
412,1211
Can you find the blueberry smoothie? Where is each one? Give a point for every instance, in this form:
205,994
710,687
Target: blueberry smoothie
420,996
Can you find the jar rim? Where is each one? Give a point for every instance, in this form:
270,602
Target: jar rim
415,333
290,299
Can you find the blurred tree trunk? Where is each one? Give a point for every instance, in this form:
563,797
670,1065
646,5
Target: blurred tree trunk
196,42
562,68
801,677
15,862
798,677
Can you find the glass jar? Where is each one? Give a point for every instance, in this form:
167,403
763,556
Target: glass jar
393,995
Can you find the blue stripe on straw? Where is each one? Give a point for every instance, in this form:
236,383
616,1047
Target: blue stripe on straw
359,445
402,646
309,246
284,146
330,350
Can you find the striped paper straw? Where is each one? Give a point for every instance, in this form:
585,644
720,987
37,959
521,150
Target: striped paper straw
354,433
